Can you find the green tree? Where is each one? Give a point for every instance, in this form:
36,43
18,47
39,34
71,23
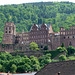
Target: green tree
20,69
13,68
71,50
27,67
61,49
33,46
34,62
45,59
0,68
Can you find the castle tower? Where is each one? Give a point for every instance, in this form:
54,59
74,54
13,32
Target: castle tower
9,33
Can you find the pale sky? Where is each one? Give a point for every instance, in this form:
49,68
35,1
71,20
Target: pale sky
5,2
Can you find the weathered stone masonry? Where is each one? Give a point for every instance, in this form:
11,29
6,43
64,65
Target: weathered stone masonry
41,34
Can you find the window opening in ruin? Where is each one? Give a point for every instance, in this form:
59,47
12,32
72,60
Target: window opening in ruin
68,37
73,36
41,46
6,28
70,43
6,32
9,31
64,37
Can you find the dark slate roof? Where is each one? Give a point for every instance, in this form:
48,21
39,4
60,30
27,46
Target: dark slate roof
48,25
64,67
39,26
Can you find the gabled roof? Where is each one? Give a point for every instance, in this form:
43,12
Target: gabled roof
39,26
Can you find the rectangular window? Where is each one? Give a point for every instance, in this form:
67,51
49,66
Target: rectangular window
9,31
9,28
6,28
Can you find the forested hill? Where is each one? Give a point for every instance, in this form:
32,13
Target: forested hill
24,15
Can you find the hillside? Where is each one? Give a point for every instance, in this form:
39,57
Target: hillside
25,15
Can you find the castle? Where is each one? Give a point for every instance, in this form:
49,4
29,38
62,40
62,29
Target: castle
43,35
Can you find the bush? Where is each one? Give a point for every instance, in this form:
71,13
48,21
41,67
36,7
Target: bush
62,58
53,60
71,50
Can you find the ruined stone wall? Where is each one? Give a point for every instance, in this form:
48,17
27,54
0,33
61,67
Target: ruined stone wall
28,53
67,36
54,40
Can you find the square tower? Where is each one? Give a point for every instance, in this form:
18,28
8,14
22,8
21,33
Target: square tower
9,33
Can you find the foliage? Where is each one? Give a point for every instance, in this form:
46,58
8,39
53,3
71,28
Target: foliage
61,49
62,45
62,58
0,68
71,50
34,46
13,68
71,57
24,15
53,60
18,63
46,47
21,63
45,59
54,53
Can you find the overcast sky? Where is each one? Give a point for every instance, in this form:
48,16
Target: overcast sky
4,2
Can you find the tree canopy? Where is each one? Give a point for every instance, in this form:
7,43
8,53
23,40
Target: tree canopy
33,46
24,15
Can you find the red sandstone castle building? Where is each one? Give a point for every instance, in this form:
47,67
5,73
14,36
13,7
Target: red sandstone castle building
41,34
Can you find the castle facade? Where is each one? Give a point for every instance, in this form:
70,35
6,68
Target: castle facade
43,35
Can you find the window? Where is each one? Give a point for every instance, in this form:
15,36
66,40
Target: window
68,37
9,31
73,36
70,43
6,28
64,37
6,32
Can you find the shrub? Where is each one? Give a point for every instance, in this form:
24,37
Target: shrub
62,58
